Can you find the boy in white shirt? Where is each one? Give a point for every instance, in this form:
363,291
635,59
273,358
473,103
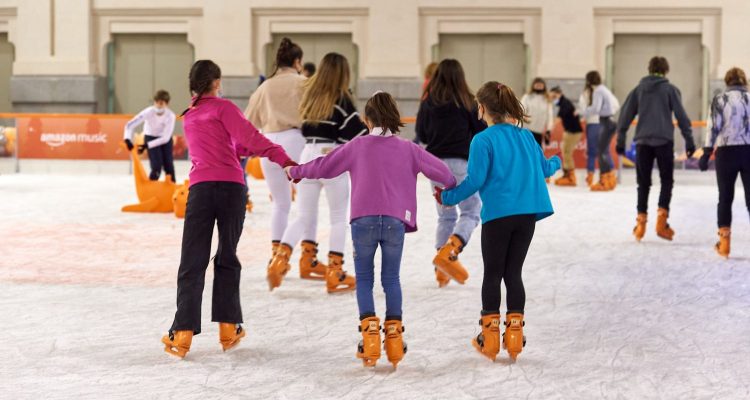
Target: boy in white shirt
158,126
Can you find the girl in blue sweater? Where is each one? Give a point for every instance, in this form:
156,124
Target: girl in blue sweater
508,169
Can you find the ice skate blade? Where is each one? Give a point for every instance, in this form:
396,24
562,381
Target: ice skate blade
341,290
175,351
227,344
172,349
513,356
668,238
312,277
479,349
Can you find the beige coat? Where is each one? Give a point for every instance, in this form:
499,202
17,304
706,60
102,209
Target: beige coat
274,106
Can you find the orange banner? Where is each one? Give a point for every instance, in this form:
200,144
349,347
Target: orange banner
85,138
77,137
579,154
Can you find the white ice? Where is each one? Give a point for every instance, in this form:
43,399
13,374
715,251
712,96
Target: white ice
86,292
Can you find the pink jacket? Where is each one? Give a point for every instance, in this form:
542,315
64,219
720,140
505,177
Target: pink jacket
218,134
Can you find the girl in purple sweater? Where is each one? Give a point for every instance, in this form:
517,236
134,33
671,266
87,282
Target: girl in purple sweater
383,169
218,135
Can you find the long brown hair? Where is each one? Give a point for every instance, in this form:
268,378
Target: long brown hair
287,53
448,85
592,79
501,103
324,89
203,73
382,111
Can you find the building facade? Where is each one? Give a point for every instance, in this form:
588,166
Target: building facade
110,55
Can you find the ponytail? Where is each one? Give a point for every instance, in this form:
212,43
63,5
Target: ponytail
203,73
592,79
501,103
286,55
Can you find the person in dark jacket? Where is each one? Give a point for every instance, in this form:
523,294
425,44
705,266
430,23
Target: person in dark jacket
446,122
654,101
572,125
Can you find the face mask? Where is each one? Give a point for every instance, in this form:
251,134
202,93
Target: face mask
159,110
556,101
539,91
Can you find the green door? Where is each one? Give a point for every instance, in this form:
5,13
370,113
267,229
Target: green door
487,57
6,70
145,63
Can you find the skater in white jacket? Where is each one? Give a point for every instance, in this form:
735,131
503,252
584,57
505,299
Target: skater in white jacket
158,127
538,107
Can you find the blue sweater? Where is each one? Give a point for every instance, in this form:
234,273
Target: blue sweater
507,167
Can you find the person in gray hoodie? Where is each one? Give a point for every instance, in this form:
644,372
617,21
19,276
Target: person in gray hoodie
654,101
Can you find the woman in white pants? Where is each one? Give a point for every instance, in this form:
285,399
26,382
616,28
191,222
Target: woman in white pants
330,119
274,109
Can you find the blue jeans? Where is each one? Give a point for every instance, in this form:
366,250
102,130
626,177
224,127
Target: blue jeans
592,142
449,221
367,234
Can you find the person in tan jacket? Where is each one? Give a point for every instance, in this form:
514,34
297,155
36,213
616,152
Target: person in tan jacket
274,109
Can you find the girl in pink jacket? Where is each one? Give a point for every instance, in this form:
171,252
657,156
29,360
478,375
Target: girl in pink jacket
218,135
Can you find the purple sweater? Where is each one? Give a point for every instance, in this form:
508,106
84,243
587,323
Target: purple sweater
383,174
218,134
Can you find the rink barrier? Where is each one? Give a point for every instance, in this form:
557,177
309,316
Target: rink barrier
97,137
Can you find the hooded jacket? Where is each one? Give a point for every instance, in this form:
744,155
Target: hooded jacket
447,129
654,101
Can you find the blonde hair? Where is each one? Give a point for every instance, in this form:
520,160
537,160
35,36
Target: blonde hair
324,89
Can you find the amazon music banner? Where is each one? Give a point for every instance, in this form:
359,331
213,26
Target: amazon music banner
77,137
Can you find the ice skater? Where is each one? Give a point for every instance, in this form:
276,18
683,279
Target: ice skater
330,119
218,135
730,134
446,122
539,109
274,109
572,125
158,127
654,101
602,105
508,169
383,170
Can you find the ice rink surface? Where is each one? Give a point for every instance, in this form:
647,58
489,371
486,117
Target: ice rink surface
86,292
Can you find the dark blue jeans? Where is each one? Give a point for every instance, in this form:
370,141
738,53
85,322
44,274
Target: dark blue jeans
367,234
592,144
160,157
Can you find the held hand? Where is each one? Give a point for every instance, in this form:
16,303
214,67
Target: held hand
287,170
438,194
703,162
690,150
129,144
142,148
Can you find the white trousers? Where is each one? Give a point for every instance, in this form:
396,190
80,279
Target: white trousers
308,195
281,189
